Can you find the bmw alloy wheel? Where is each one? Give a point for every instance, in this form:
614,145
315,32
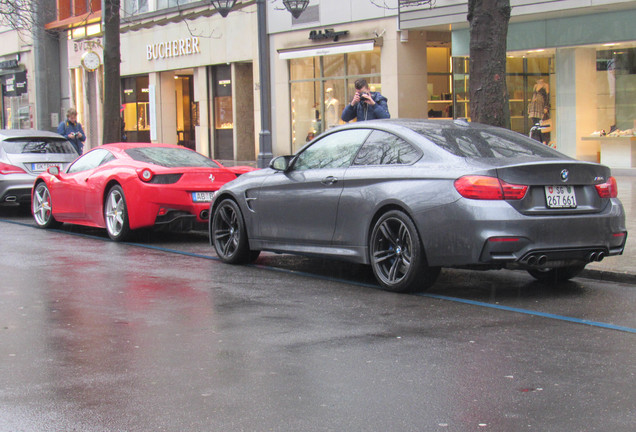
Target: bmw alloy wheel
229,235
397,257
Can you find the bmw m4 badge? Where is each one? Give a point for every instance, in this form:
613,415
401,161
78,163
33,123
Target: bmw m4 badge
564,175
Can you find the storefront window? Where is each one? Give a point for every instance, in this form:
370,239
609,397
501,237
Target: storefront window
529,90
439,85
15,99
616,90
136,116
320,88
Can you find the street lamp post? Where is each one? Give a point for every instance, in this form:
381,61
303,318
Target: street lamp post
296,7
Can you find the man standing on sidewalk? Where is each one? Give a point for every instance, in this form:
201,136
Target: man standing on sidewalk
72,130
366,105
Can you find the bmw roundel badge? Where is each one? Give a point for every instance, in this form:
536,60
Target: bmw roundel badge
565,174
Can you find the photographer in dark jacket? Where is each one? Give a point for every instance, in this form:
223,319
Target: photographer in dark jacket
366,105
72,130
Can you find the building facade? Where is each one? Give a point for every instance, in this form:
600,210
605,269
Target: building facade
581,52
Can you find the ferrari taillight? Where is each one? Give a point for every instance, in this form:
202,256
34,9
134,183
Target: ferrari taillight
10,169
145,174
608,189
489,188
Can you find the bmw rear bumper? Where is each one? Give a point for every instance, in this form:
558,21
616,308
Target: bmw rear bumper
472,232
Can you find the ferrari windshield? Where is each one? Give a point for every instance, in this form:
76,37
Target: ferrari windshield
170,157
38,145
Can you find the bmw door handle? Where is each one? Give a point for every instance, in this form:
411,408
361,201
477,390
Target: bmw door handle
329,180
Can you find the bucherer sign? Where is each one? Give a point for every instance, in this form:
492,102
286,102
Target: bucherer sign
173,48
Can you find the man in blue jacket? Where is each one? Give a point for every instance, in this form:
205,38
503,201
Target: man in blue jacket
366,105
72,130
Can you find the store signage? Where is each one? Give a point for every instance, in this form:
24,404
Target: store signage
14,84
9,64
318,35
173,48
87,45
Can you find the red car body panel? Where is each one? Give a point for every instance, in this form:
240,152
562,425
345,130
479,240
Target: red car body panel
79,197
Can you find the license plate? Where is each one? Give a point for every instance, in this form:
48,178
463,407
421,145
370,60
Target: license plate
41,167
560,197
202,196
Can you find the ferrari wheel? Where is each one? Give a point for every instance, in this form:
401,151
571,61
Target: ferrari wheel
397,256
229,235
116,214
41,207
556,274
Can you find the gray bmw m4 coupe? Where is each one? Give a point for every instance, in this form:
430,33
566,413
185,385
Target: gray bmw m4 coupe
411,196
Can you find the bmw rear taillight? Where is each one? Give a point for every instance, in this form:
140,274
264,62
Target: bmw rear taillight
608,189
145,174
489,188
10,169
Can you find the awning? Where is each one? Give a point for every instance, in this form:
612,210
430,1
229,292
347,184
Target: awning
336,48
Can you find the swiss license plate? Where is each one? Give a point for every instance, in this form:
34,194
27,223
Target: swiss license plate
560,196
41,167
202,196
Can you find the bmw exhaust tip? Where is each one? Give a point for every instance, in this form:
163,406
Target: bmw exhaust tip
600,256
592,257
205,214
542,260
532,260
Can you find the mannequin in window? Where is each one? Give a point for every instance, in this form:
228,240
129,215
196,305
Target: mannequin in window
546,126
332,109
540,100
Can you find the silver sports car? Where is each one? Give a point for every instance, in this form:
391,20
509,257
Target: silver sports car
26,153
411,196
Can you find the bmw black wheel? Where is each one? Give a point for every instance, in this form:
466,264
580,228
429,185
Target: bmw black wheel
229,235
556,274
397,257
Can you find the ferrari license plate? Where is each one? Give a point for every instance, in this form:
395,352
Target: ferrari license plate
560,197
41,167
202,196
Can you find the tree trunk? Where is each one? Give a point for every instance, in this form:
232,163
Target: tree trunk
112,82
487,83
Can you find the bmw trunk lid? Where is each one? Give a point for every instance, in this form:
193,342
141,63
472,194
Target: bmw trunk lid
557,187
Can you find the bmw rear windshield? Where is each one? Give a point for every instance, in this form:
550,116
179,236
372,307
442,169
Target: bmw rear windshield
170,157
477,143
37,145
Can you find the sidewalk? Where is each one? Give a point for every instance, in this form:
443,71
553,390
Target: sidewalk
621,268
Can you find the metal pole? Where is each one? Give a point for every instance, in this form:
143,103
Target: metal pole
265,136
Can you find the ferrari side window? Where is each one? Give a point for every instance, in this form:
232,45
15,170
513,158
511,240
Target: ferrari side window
335,150
90,160
383,148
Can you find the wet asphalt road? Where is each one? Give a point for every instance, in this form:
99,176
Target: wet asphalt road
160,336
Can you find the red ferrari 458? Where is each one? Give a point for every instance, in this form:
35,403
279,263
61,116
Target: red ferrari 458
126,186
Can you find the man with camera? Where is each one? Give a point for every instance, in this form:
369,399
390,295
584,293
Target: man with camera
366,105
72,130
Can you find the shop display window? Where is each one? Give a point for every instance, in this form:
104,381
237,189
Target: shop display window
616,91
439,85
135,112
320,88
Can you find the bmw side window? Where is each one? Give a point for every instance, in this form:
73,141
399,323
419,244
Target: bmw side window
90,160
383,148
336,150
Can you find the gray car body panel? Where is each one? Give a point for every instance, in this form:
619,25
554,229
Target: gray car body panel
454,230
17,187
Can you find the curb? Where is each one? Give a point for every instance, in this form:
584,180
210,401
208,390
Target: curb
609,276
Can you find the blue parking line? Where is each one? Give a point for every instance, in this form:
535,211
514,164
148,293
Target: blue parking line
361,284
531,312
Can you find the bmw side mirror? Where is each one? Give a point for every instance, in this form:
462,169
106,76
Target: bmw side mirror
281,163
54,171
